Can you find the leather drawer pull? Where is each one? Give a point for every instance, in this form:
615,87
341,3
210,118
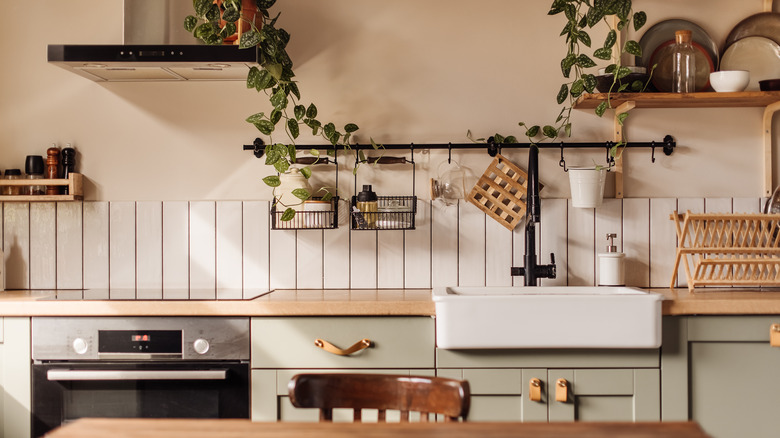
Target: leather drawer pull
562,390
774,335
535,390
330,348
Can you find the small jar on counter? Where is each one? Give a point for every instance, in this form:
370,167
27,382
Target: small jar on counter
12,174
33,168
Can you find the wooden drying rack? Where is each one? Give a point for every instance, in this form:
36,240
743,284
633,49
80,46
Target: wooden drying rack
719,249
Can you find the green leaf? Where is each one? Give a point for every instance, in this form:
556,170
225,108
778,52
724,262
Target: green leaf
633,48
622,118
282,165
549,131
314,152
253,78
202,7
557,7
275,70
272,156
265,81
249,39
203,31
306,172
589,81
510,140
623,9
228,30
255,118
190,22
637,86
584,37
299,111
293,87
361,156
603,53
570,12
327,197
265,4
567,63
595,14
584,61
275,116
350,127
601,109
567,129
265,126
611,39
292,125
577,88
288,215
231,14
498,138
329,130
279,99
311,112
213,13
623,72
272,181
622,88
562,94
610,68
640,18
533,131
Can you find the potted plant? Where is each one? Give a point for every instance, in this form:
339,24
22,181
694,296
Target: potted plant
214,21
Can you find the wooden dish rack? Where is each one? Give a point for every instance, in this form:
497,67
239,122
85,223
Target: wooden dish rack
719,249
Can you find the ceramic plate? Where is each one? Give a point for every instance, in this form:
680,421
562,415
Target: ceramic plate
662,76
662,32
759,55
765,24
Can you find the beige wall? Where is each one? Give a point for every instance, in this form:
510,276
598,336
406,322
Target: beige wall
404,70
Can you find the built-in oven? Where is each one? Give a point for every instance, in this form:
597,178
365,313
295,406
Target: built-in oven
151,367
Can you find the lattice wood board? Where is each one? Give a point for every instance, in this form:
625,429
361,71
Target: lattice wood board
719,249
500,192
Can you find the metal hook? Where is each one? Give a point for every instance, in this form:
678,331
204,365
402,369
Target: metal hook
652,151
668,145
562,163
449,153
610,158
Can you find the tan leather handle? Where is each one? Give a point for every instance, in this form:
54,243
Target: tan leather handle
535,390
330,348
562,390
774,335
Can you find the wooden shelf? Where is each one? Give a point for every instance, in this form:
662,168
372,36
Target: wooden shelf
683,100
74,184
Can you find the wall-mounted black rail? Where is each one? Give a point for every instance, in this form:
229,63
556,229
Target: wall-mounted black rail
667,144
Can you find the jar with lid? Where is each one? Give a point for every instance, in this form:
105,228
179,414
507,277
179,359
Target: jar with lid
368,205
683,63
33,169
12,174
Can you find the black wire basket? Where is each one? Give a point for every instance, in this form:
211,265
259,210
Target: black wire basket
393,213
307,219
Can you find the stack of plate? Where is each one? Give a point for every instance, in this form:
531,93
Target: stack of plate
754,45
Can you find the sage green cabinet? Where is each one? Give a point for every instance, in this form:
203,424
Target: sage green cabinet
15,362
285,346
601,385
722,372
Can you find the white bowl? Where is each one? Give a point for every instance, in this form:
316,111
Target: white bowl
729,80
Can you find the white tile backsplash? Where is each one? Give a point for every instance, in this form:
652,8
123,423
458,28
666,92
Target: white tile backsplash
214,250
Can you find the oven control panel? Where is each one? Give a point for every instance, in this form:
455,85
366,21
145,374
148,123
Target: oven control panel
140,338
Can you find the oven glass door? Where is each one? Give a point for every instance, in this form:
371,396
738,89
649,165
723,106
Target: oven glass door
66,391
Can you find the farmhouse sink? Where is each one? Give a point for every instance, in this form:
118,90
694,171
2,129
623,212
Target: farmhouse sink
547,317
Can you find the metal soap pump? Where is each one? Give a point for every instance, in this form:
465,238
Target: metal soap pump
612,265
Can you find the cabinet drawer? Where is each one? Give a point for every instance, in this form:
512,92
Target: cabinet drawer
396,342
731,328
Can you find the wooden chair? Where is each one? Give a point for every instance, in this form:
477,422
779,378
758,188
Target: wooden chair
426,395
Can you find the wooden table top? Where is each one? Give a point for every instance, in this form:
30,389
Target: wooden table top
225,428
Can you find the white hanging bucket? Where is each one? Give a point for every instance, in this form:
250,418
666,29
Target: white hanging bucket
587,186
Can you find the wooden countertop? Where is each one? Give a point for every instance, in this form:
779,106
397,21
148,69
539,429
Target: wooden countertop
175,428
356,302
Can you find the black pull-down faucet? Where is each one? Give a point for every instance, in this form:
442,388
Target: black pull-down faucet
532,271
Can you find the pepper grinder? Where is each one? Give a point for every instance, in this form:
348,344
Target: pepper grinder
52,169
612,265
68,164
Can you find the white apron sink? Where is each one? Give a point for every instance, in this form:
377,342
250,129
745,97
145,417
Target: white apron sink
547,317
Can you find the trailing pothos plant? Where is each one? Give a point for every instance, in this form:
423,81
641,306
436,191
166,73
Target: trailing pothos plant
581,16
215,21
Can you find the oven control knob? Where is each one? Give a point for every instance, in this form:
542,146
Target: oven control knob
80,346
201,346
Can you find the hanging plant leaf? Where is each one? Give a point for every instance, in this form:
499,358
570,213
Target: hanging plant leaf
329,130
202,7
633,48
292,152
311,112
272,181
589,81
282,165
306,172
265,81
557,7
249,39
611,39
279,99
327,197
299,111
533,131
567,63
601,109
640,18
255,118
275,116
351,127
549,131
562,94
584,38
288,215
623,72
577,88
637,86
213,13
622,118
584,61
295,130
190,22
265,126
603,53
595,14
570,12
275,70
231,14
510,140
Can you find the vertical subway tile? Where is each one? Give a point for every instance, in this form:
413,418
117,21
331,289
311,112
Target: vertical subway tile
417,249
471,246
552,234
70,245
581,244
694,205
309,259
663,241
336,265
203,265
636,243
390,259
747,205
43,245
121,247
444,244
498,253
363,259
283,259
255,247
149,254
96,250
518,252
718,205
229,250
176,250
16,244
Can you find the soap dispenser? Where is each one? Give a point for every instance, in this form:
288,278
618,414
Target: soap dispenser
612,265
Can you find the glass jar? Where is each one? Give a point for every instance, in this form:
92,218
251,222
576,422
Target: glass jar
12,174
33,169
683,63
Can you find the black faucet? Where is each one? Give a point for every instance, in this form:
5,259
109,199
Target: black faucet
532,271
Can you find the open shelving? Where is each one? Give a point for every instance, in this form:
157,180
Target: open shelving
73,183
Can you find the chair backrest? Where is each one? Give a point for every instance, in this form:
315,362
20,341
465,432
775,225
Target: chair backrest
426,395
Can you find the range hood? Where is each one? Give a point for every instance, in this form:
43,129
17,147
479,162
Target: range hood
156,48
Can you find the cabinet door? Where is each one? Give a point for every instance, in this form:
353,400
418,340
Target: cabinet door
270,400
605,395
734,376
15,397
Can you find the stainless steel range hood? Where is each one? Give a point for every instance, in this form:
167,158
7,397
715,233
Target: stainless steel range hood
156,48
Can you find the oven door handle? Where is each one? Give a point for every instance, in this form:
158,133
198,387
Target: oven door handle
76,375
